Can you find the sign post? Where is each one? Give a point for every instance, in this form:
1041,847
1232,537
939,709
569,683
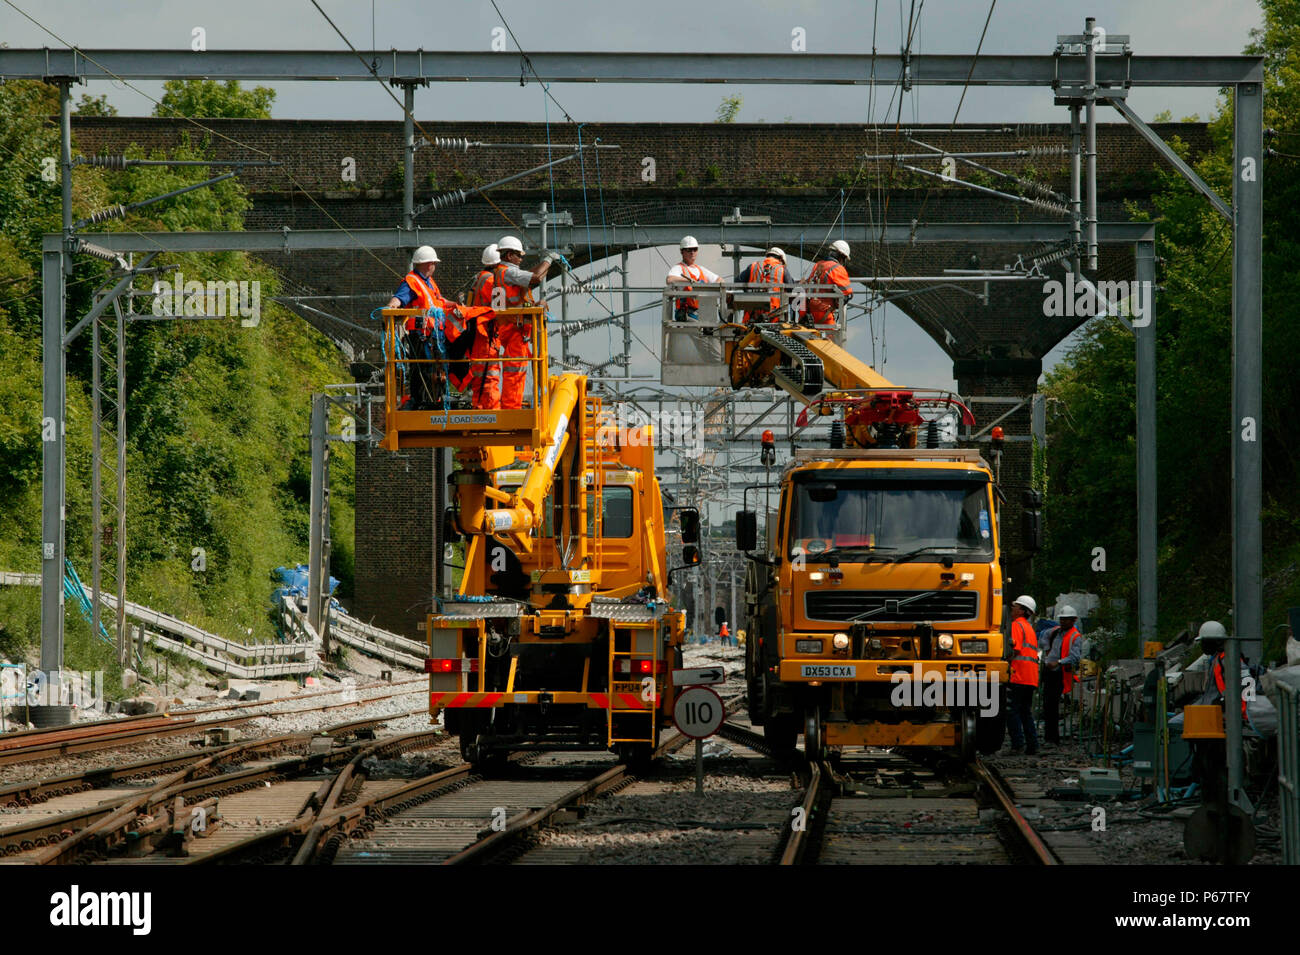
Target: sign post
698,712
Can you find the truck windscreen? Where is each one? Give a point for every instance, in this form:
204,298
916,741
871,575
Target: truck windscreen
891,518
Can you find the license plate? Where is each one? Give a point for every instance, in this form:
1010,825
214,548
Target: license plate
828,671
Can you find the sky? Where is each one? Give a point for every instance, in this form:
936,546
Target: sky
1157,27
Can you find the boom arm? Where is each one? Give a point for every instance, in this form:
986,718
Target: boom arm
524,510
803,361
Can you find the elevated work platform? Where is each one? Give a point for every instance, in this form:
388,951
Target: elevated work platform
414,371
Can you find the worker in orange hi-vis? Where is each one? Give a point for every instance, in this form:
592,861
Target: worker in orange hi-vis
686,272
511,288
419,290
770,272
828,270
485,375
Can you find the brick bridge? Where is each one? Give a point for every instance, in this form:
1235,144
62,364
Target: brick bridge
796,174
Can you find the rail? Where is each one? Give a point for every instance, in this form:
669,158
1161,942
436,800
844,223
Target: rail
1025,833
1288,770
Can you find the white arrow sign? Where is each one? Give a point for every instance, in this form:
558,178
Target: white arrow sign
698,712
700,676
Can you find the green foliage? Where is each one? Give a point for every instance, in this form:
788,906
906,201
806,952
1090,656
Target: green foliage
217,413
211,99
729,108
94,106
1091,449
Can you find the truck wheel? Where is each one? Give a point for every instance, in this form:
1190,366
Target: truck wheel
969,735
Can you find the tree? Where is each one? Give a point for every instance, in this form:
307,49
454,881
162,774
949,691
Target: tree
1091,395
95,106
212,100
729,108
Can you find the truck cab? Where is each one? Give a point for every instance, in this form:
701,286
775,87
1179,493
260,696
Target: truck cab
875,603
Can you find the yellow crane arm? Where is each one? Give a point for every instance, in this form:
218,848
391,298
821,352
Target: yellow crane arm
524,511
840,369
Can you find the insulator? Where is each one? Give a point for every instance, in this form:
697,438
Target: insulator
1025,130
103,215
1049,258
1048,206
452,142
448,199
932,434
107,162
1044,152
837,435
98,251
1040,189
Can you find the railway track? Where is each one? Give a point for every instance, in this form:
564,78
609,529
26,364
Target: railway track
885,808
61,813
33,745
459,818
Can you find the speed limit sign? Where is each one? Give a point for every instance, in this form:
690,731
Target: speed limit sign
698,712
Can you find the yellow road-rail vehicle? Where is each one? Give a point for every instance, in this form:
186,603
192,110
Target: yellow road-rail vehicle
874,604
559,635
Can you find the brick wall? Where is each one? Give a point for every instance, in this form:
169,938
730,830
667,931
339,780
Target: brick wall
394,528
689,155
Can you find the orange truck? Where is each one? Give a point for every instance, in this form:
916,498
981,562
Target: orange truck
873,603
559,634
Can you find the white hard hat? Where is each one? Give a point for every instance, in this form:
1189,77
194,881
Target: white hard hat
842,247
424,254
779,253
688,242
1027,602
491,256
1212,630
509,243
1067,611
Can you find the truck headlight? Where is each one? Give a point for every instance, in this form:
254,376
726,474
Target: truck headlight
840,641
945,641
808,646
974,646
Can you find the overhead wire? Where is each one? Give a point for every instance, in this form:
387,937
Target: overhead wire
370,67
207,129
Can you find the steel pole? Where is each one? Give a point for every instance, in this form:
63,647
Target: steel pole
65,162
52,461
316,533
123,634
1247,408
1076,187
1144,328
96,484
1091,91
408,159
627,321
